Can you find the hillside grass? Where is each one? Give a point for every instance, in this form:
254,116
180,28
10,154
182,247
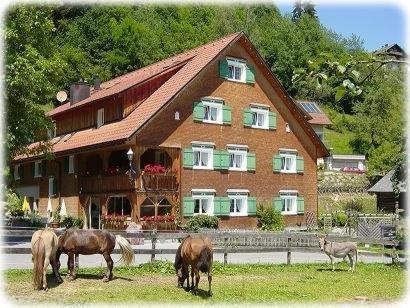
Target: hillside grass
256,283
331,202
339,142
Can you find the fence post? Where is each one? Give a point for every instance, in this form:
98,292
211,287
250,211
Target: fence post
154,244
77,261
225,250
288,255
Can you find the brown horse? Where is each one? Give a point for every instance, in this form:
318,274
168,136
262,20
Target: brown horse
43,250
88,242
196,252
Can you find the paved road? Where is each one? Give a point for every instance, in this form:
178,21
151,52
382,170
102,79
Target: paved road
24,261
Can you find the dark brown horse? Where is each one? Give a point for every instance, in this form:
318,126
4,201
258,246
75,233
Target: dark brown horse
196,252
88,242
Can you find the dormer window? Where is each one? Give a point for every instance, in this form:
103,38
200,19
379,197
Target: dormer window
100,117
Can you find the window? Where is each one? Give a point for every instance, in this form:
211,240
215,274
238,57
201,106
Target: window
71,164
17,172
38,169
237,159
203,204
236,70
287,128
100,117
51,186
202,157
289,205
176,116
212,112
119,206
288,162
238,205
260,118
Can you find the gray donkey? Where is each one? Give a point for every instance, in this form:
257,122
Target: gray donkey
339,250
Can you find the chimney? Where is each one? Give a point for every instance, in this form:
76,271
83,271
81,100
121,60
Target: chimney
78,91
97,83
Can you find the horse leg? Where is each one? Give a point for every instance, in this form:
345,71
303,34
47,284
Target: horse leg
209,282
110,263
45,265
351,262
192,278
55,268
70,266
197,277
331,262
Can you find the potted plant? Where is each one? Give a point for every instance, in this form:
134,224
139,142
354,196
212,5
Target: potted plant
55,220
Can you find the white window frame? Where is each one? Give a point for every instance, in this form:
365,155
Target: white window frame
71,164
238,196
209,151
288,155
290,196
218,107
239,64
236,152
260,111
37,169
16,172
198,195
100,117
50,185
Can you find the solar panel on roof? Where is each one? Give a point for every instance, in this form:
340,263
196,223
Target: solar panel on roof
310,107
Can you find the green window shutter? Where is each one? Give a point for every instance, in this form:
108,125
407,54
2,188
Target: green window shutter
300,205
247,117
277,163
199,111
224,160
227,115
277,204
188,209
188,161
225,206
251,162
32,169
251,206
66,164
44,168
54,187
272,120
217,159
217,206
223,69
21,171
300,165
250,74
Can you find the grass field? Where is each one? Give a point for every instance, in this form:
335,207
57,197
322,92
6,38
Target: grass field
339,142
156,283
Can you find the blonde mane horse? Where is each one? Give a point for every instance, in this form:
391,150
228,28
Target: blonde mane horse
43,249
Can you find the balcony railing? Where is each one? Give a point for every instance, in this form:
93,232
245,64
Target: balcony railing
122,183
158,181
105,183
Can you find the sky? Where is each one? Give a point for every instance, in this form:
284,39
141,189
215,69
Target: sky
375,24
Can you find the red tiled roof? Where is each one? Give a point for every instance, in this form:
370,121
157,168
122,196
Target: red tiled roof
196,59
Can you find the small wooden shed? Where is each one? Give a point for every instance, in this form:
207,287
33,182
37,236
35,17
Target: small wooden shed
386,200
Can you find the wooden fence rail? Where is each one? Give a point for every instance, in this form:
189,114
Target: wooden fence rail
224,242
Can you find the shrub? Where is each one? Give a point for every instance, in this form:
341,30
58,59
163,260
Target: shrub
202,221
340,218
14,204
70,221
269,219
353,205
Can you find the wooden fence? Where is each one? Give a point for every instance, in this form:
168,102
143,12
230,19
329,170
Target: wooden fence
224,242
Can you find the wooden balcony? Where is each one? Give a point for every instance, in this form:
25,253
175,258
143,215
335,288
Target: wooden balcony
105,183
121,183
158,182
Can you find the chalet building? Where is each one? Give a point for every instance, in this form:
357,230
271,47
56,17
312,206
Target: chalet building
391,52
202,132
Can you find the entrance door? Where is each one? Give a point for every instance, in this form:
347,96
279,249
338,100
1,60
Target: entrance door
95,213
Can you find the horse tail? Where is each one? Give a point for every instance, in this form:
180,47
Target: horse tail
204,260
39,255
126,250
178,258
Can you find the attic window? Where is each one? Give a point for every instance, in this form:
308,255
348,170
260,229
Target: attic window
236,70
100,117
